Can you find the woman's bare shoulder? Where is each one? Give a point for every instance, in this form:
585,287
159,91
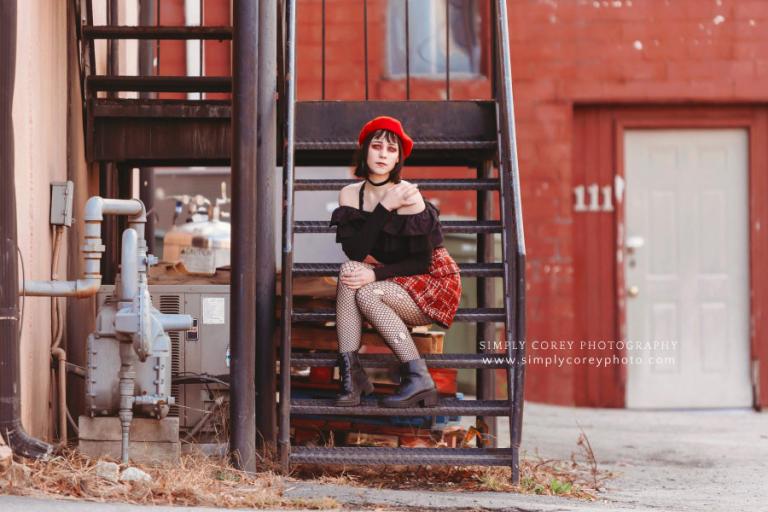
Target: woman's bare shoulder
349,194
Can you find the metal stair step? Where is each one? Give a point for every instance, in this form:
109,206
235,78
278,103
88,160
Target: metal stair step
424,184
156,32
463,315
394,456
329,359
438,138
442,144
332,269
370,407
448,226
159,83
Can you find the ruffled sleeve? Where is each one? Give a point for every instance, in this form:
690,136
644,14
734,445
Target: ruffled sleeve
357,232
348,222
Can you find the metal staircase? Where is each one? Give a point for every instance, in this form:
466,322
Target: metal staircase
324,133
148,131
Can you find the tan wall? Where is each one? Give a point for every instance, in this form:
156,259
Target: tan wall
40,127
47,116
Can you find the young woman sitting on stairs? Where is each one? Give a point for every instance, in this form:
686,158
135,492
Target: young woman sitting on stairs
398,275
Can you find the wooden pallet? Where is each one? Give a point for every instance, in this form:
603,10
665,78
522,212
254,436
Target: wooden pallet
314,337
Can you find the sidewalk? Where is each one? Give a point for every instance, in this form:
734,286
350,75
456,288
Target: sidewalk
666,461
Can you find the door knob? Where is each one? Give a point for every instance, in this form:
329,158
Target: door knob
633,243
633,291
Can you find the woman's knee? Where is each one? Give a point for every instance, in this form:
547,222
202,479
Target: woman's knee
347,266
368,295
351,265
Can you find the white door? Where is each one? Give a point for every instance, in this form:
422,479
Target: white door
687,268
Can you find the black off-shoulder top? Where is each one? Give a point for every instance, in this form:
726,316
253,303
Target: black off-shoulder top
402,243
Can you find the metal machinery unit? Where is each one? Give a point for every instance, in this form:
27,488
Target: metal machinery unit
199,369
127,370
203,243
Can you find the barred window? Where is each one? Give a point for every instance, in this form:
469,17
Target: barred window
426,19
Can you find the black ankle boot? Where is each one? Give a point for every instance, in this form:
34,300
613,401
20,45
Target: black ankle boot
416,387
354,380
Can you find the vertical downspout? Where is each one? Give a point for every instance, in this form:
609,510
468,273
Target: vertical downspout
245,38
10,393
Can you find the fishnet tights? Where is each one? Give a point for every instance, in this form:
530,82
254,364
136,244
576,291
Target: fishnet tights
387,306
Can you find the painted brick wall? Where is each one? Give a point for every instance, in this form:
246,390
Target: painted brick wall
564,53
570,52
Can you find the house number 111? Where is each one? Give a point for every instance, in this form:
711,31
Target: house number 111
594,192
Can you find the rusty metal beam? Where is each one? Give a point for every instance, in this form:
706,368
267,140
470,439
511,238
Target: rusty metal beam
160,132
159,83
154,32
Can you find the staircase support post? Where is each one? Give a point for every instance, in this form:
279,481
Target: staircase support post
147,174
244,224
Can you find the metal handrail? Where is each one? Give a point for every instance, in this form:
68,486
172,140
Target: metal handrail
513,236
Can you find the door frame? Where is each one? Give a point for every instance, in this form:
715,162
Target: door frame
611,123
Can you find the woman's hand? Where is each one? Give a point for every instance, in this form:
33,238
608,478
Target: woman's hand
371,260
357,277
400,195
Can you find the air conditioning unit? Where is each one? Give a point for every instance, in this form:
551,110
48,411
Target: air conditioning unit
200,356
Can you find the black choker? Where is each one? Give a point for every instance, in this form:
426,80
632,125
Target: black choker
379,184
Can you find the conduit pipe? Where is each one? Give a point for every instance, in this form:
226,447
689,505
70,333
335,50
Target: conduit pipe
89,285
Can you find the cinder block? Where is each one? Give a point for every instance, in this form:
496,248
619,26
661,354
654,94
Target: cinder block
139,452
152,441
107,428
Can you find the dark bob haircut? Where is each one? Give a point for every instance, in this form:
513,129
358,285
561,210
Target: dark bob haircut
361,155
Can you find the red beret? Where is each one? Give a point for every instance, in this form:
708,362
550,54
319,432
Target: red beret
391,124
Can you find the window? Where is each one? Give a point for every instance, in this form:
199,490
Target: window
426,19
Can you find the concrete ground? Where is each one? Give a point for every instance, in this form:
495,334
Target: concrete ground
665,461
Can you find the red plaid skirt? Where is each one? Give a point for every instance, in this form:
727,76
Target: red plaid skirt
437,293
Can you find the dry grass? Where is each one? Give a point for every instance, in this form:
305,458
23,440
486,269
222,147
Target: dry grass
195,481
204,481
578,477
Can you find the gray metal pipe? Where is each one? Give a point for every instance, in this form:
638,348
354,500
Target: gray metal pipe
10,390
129,271
95,209
176,322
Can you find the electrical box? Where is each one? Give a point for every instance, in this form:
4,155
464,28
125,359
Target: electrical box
201,351
62,197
